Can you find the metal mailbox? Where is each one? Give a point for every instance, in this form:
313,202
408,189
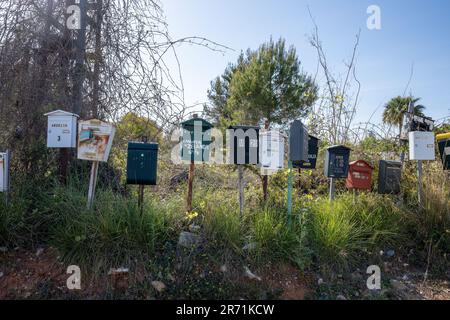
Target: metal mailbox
359,175
389,177
336,162
298,143
444,149
196,143
142,163
271,150
4,171
243,145
313,151
95,140
61,129
422,146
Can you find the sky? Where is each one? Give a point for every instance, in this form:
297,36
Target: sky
413,33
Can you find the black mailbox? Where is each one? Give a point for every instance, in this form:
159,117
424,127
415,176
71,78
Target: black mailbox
313,151
298,143
196,143
142,163
444,149
389,177
244,145
337,159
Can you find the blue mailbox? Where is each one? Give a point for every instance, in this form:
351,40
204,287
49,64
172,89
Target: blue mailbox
337,160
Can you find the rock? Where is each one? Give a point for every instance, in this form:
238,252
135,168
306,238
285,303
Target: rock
341,297
118,271
39,252
188,240
194,228
1,274
250,275
159,286
405,277
320,281
224,268
390,253
381,252
3,249
249,246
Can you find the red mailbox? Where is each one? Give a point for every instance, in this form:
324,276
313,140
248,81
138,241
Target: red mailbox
360,175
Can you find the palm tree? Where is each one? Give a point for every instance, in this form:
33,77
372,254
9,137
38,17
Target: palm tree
394,110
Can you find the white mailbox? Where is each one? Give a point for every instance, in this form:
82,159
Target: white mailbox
271,150
422,146
62,129
4,171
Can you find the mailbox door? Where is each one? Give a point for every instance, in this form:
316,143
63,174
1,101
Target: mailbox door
313,150
444,152
60,132
298,143
338,164
142,166
389,177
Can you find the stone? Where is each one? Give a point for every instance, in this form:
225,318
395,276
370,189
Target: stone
224,268
320,281
159,286
188,240
341,297
194,228
250,274
39,252
1,274
118,271
249,246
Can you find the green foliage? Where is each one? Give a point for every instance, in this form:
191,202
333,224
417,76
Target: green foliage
396,107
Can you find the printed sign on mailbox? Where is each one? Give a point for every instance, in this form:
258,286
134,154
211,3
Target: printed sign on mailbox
95,140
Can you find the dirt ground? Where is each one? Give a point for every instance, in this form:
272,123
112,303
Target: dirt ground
40,275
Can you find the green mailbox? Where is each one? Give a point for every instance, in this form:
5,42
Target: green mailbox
196,143
142,163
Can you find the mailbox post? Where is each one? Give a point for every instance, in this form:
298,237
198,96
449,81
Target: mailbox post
336,165
243,150
195,148
5,173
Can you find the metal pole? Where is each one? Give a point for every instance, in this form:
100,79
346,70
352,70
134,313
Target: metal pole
420,183
92,184
241,190
290,193
141,198
332,189
7,175
190,185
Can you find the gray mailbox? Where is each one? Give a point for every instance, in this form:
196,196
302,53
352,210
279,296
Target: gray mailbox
337,160
313,151
298,143
389,177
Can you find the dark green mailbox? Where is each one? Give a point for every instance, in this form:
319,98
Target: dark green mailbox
142,163
196,143
336,162
389,177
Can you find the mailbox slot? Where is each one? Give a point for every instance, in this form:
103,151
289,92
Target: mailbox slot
359,175
298,143
389,177
337,161
142,163
244,145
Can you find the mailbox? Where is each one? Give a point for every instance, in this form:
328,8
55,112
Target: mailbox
61,129
389,177
271,150
142,163
243,145
444,149
95,140
298,143
337,161
313,151
4,171
196,143
359,175
422,146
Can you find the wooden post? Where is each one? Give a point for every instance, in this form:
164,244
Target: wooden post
354,196
241,190
332,189
92,184
289,217
63,165
190,184
7,165
141,198
420,183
